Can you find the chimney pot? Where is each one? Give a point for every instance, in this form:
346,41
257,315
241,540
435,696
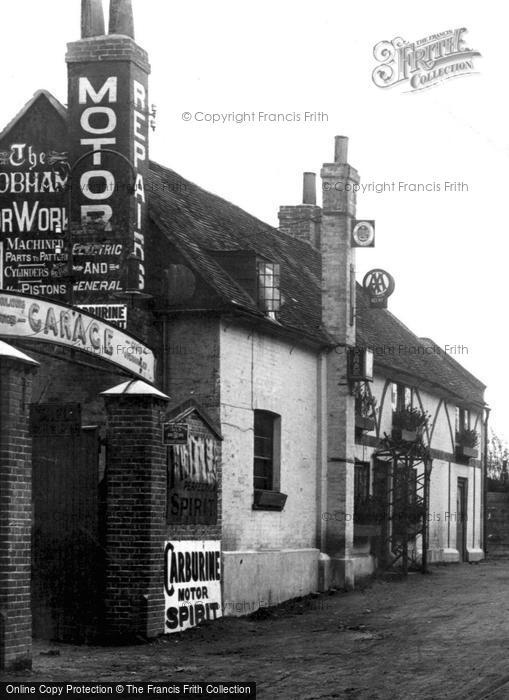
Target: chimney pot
121,18
341,150
92,19
309,189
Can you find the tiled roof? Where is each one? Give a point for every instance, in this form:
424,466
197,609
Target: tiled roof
398,351
197,221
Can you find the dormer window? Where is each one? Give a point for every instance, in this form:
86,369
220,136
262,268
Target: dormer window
257,275
269,295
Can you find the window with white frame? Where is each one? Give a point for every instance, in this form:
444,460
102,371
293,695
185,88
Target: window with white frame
269,294
401,396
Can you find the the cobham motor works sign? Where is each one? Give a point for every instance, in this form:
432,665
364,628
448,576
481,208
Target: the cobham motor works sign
30,318
192,583
33,220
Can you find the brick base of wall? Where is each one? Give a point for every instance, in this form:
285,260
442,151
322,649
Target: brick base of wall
15,515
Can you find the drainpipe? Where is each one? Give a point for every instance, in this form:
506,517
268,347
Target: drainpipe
485,484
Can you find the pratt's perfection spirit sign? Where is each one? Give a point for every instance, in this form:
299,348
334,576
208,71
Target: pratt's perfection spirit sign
192,583
30,318
193,478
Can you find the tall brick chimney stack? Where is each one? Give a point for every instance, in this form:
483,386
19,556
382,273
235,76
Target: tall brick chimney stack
338,318
108,153
303,220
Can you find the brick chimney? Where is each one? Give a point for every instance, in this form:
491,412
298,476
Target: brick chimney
108,151
303,220
338,318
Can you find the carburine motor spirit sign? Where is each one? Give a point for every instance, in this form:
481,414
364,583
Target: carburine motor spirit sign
192,583
31,318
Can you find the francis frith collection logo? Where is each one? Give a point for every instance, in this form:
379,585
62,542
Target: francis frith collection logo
423,63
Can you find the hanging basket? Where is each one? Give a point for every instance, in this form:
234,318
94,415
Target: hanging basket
404,434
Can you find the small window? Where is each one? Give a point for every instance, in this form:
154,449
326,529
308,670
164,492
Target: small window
462,419
394,396
269,295
267,427
401,397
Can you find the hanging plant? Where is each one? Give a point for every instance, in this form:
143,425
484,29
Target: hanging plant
467,438
410,418
466,444
365,403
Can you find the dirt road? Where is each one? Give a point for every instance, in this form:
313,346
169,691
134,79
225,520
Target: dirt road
440,636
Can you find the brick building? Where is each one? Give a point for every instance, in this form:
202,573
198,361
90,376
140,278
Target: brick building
178,411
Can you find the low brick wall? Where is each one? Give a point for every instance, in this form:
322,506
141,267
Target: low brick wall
498,524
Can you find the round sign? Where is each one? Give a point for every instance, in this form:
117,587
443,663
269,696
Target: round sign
363,234
379,283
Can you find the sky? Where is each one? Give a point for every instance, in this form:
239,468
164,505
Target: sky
446,249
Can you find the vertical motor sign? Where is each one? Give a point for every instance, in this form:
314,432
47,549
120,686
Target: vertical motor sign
108,113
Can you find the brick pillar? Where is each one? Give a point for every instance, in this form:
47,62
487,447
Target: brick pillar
16,370
338,317
135,512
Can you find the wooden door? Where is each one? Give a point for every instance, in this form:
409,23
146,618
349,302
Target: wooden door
66,552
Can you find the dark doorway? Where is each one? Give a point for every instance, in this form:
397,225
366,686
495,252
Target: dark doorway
461,518
66,551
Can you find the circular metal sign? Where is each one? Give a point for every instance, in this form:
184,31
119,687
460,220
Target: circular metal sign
363,234
380,285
